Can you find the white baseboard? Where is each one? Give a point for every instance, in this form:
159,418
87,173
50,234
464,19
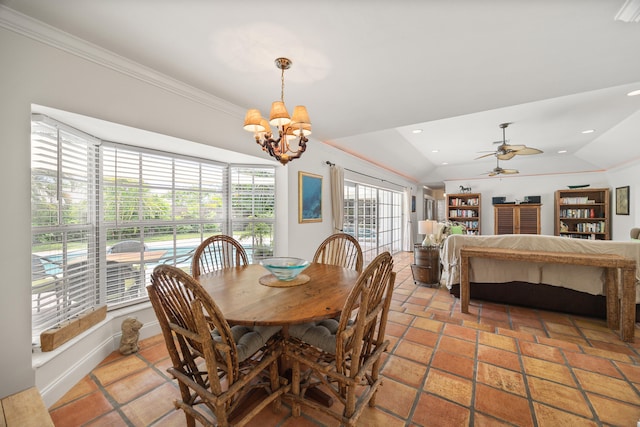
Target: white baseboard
58,371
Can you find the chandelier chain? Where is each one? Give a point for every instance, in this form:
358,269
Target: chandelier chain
282,89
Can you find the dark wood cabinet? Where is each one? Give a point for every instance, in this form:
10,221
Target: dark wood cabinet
426,266
516,219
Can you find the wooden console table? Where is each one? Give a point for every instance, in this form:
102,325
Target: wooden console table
620,316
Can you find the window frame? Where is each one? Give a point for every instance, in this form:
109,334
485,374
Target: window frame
96,258
366,222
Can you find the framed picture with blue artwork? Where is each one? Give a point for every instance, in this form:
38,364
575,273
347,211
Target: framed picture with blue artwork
309,197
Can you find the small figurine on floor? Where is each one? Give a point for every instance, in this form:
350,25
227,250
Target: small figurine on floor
130,335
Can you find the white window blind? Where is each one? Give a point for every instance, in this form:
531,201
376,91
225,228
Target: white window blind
165,203
105,214
253,209
64,250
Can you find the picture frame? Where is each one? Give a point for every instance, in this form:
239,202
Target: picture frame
309,197
622,200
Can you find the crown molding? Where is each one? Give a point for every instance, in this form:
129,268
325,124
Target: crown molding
42,32
629,12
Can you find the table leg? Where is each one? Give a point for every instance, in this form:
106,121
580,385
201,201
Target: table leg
464,284
613,304
627,328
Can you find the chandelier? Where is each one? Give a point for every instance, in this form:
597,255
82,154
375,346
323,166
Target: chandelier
289,128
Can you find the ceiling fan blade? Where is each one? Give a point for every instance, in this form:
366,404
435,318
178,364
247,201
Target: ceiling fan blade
528,150
506,156
513,147
510,171
493,173
486,155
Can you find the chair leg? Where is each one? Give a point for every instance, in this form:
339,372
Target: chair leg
295,387
375,371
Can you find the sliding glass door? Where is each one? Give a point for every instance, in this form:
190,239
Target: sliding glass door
373,216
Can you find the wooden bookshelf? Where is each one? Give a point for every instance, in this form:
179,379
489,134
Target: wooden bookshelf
583,213
465,208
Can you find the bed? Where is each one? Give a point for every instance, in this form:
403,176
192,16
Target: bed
567,288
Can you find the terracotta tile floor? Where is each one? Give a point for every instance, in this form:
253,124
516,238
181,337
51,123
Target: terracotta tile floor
498,366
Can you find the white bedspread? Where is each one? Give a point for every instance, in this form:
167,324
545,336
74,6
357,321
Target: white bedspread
580,278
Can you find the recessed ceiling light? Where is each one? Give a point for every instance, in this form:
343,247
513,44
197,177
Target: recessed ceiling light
445,163
435,151
588,131
417,131
562,151
634,93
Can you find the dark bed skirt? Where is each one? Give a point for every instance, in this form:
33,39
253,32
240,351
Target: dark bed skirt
544,297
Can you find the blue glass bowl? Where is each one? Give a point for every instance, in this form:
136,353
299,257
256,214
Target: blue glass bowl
285,268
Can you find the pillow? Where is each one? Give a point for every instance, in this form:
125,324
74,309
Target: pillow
456,229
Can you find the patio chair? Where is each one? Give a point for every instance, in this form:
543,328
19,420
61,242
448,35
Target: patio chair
123,279
340,249
217,252
238,363
345,358
43,279
182,261
127,246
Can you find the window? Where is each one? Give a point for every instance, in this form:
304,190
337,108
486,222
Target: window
105,214
159,204
252,209
374,217
64,230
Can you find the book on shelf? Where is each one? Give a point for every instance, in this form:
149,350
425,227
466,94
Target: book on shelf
455,201
576,201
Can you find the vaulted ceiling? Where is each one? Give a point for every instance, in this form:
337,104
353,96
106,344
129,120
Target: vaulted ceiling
372,72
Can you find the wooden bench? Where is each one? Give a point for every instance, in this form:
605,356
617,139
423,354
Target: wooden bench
620,314
24,409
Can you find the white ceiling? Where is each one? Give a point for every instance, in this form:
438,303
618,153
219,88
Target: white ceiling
372,71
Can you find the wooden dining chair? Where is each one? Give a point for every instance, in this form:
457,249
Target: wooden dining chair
340,249
217,252
345,361
216,365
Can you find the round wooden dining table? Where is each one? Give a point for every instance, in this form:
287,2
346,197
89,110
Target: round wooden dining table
245,301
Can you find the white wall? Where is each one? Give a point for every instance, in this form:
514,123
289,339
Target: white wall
621,177
516,187
303,239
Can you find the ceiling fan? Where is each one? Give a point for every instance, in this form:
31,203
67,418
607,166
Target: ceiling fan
507,151
498,170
